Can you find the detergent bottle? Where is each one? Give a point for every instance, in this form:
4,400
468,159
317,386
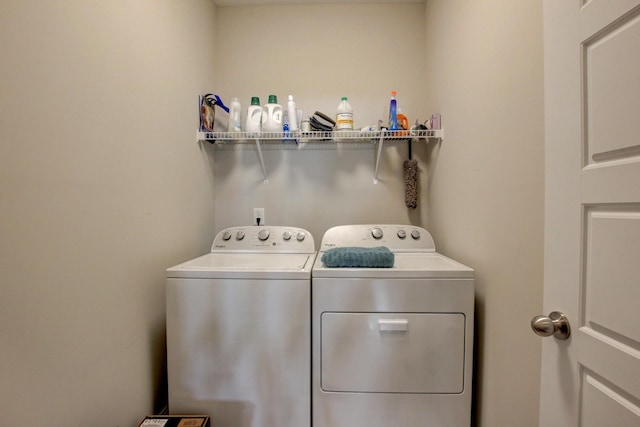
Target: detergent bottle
393,117
272,115
253,122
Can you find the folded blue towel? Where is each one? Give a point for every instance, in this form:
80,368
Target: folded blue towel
356,257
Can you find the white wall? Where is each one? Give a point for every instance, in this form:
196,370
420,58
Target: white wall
366,51
486,192
102,187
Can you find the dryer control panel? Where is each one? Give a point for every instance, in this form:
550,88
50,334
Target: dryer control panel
398,238
270,239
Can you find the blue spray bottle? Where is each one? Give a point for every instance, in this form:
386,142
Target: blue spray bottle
393,116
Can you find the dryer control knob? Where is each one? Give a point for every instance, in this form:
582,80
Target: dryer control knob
377,233
402,234
226,235
415,234
263,234
300,236
286,235
240,235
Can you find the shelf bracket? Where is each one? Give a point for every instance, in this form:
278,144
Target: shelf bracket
264,169
380,142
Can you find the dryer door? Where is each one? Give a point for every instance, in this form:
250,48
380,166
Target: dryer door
393,352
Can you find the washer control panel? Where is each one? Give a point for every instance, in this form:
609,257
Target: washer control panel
398,238
277,239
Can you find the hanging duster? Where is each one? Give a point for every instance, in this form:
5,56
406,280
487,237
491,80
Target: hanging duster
410,181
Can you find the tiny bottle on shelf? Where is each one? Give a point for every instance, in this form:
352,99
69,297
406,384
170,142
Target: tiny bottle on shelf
293,119
305,128
403,121
285,127
435,121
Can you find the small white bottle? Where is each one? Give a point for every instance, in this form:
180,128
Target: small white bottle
253,122
272,115
235,116
293,118
344,116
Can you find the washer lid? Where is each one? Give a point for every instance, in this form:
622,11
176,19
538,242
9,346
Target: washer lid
406,265
245,265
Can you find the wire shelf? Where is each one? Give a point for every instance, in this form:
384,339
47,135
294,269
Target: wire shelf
318,137
337,136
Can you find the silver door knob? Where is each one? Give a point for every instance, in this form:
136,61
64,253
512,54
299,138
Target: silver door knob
556,324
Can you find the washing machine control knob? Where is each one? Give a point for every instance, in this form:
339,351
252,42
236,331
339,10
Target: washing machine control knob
286,235
263,234
415,234
402,234
226,235
240,235
377,233
300,236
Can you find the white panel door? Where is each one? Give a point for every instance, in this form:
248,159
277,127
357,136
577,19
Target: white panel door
592,212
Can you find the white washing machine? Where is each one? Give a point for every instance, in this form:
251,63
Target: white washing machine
238,329
391,346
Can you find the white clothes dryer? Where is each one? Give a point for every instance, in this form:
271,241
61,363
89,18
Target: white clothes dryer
238,329
391,346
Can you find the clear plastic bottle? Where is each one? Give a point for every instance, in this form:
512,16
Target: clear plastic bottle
235,116
272,115
393,118
253,122
344,116
293,118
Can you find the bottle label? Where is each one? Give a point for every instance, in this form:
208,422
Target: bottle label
344,121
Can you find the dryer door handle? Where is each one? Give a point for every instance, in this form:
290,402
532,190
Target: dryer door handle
393,325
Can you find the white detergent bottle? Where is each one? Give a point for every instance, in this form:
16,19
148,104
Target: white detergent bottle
293,118
272,115
253,122
235,116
